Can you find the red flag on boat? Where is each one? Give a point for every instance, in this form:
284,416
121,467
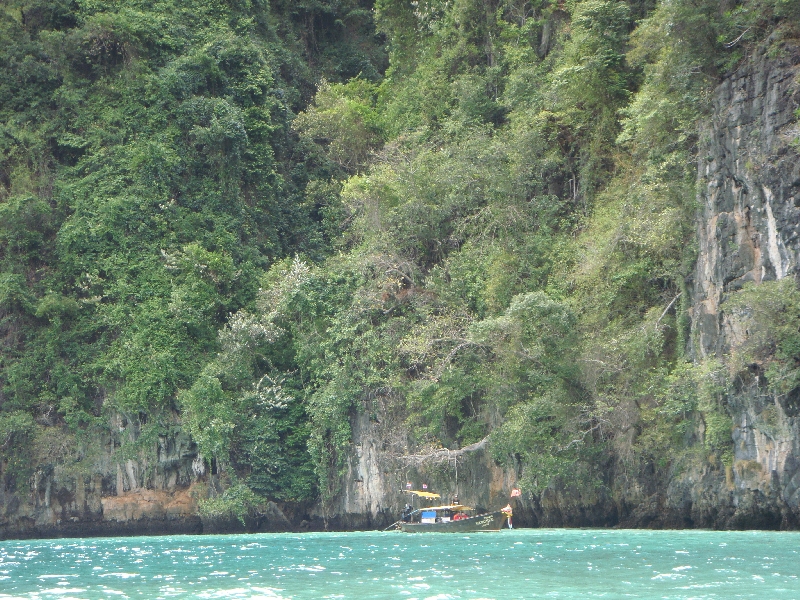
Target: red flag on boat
515,492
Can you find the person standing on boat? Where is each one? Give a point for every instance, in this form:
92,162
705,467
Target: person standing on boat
407,510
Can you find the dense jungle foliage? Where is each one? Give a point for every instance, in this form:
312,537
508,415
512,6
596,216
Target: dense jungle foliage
249,220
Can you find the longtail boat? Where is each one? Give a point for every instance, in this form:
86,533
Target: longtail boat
455,518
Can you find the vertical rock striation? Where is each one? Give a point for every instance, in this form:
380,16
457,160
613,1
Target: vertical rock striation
749,179
105,494
748,232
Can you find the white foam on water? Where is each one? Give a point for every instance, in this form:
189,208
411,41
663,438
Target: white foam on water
667,576
62,591
249,593
682,566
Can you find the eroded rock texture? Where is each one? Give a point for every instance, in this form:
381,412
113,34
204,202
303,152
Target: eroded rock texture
748,231
373,489
749,179
106,495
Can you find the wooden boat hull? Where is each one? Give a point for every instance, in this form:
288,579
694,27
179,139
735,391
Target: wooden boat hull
487,522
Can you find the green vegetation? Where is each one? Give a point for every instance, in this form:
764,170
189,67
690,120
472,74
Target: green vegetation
149,176
771,312
262,217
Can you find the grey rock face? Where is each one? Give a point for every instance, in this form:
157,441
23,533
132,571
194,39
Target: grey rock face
104,494
749,182
749,193
372,492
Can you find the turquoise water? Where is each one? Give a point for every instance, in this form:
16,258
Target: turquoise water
529,563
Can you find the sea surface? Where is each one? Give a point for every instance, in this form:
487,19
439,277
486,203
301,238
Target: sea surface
519,563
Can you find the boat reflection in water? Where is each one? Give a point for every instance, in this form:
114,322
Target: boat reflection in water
455,517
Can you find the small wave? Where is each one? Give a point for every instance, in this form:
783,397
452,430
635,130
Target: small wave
662,576
249,593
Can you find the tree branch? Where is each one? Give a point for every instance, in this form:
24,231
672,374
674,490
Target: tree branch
442,454
667,309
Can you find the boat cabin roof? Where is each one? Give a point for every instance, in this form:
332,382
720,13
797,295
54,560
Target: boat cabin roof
422,494
453,507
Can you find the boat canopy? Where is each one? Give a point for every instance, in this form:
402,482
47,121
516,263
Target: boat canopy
453,507
424,494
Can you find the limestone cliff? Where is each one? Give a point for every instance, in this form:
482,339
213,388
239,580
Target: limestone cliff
748,230
115,491
372,490
749,178
749,194
104,493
